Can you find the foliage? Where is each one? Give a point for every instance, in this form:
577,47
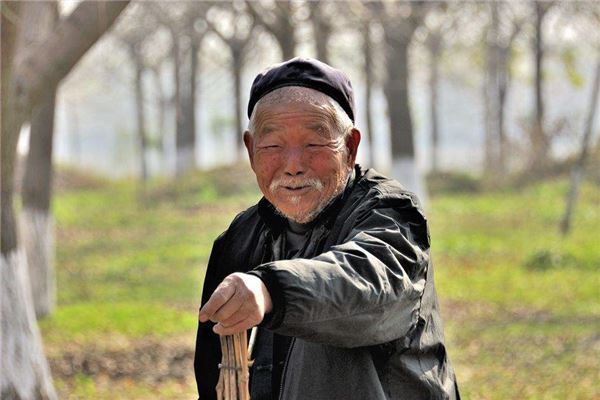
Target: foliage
519,324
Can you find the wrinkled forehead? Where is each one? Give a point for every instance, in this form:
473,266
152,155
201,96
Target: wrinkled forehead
293,95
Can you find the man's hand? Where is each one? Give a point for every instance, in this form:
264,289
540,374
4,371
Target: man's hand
238,303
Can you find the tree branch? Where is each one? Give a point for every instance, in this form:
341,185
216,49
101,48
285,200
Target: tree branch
43,66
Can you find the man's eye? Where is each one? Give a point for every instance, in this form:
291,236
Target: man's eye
271,146
315,145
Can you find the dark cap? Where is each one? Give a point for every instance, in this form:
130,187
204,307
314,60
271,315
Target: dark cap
306,72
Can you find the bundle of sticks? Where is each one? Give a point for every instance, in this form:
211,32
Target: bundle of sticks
235,361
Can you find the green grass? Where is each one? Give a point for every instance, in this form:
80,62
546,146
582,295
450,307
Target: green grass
520,303
516,327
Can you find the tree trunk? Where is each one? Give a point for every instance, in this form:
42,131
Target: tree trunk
281,25
539,141
36,222
24,372
321,30
434,45
491,93
43,66
578,171
28,73
287,42
161,104
237,62
404,166
185,93
503,86
369,80
140,118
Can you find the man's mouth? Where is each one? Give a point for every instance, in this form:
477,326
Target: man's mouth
295,188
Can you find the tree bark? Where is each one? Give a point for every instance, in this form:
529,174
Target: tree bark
28,73
434,45
539,141
491,91
10,124
237,60
161,103
185,81
579,168
321,30
24,372
398,36
282,27
42,67
369,80
140,116
36,221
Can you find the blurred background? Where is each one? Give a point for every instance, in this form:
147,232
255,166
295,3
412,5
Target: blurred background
122,160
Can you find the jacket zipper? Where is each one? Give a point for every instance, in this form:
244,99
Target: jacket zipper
285,364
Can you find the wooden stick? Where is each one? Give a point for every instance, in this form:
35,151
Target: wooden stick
234,374
232,371
220,383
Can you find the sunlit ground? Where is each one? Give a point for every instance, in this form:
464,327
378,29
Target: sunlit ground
520,304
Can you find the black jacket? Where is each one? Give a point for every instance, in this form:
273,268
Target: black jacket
360,303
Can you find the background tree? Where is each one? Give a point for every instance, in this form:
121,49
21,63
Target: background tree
185,23
321,15
506,23
589,17
439,25
134,34
28,73
399,22
278,18
36,220
540,141
235,27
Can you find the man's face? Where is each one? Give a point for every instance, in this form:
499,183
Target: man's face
300,160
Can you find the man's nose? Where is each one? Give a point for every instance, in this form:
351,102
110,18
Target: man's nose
294,163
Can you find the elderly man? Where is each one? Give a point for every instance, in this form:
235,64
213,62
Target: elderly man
332,264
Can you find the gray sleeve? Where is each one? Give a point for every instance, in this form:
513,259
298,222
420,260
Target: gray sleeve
362,292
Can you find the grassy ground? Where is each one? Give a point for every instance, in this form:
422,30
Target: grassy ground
520,304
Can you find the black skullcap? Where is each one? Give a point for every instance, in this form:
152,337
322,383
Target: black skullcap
306,72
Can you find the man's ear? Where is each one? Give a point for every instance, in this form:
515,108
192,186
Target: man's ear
352,143
249,143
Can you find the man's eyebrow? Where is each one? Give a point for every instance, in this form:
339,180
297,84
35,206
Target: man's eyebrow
320,128
267,128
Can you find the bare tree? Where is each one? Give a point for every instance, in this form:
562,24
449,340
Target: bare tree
321,13
589,22
506,23
399,22
278,19
28,73
577,174
186,25
363,14
540,141
438,24
135,32
235,27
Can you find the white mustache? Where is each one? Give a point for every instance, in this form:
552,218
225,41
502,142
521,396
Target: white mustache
295,183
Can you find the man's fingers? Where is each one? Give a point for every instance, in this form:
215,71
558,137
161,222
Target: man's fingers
231,307
220,296
247,323
235,318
